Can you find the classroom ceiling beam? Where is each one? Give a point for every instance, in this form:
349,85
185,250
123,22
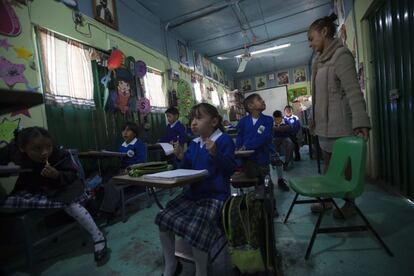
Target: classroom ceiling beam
200,13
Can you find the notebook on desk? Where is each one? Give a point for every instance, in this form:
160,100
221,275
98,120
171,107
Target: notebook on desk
174,174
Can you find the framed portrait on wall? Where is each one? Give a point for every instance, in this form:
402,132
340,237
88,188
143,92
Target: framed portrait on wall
198,66
299,74
261,82
246,85
105,12
182,53
283,77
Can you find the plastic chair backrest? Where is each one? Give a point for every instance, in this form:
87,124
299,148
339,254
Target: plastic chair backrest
353,149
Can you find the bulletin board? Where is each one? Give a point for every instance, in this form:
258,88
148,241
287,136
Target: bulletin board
276,98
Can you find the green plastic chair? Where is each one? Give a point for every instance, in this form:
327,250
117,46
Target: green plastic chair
334,185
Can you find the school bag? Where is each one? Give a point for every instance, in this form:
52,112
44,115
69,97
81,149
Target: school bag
147,168
246,227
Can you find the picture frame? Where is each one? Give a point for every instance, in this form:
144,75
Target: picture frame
182,53
282,77
261,82
198,65
105,11
246,85
299,74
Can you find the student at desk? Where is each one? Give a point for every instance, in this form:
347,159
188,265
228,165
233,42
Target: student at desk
136,153
193,215
52,183
175,129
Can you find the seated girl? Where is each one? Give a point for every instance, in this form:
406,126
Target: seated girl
193,215
53,182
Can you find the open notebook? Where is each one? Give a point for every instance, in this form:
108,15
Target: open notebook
167,147
179,173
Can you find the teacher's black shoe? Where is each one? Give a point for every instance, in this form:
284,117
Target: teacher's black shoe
102,256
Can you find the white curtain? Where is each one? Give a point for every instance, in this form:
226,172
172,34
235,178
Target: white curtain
67,71
153,89
215,98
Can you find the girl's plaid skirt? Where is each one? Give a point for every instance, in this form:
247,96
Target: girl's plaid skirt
25,199
194,221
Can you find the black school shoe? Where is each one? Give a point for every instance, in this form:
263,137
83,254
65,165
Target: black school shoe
281,183
102,256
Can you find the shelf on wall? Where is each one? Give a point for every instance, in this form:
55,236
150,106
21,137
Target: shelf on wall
14,100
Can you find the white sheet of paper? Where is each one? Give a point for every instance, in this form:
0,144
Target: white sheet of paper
179,173
167,147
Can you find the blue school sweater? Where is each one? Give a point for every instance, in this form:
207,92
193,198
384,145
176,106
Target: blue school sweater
294,123
220,167
136,153
256,137
175,132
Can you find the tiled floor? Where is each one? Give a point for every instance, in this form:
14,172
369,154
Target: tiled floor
136,248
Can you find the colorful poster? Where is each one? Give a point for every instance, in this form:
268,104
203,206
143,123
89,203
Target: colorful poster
207,67
299,75
282,77
182,53
261,82
198,66
293,93
246,85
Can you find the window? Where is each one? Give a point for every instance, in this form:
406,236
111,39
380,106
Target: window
197,91
67,71
215,98
153,88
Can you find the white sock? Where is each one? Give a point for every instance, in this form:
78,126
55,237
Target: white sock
200,259
168,248
82,216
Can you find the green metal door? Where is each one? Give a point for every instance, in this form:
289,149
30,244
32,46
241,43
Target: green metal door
392,34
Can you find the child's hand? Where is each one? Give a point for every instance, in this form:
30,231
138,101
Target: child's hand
178,150
50,172
211,147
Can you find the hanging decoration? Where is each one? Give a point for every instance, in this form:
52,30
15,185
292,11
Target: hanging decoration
115,60
186,70
140,69
185,99
7,128
9,23
120,99
4,43
12,73
23,53
144,106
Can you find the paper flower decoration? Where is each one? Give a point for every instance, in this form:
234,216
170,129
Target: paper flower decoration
12,73
7,128
144,106
115,59
140,68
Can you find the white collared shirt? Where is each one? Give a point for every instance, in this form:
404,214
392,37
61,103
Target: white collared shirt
173,125
124,144
213,137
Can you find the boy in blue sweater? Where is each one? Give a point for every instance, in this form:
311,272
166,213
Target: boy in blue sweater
175,129
136,153
293,121
254,132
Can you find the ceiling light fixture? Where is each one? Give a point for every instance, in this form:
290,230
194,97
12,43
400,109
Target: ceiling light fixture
266,50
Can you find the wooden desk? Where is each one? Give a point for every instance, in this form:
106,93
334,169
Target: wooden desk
12,170
158,183
14,100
